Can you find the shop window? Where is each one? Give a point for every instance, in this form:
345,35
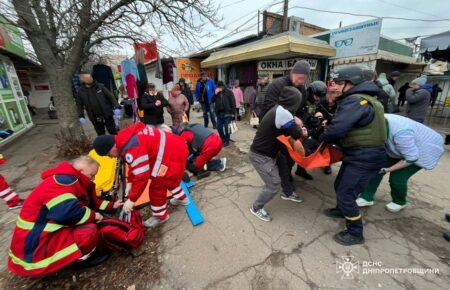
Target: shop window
13,113
26,113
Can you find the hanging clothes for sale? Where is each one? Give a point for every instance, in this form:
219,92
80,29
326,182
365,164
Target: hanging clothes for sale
168,64
103,74
130,76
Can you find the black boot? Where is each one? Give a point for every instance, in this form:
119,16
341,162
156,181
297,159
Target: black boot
327,170
447,217
96,259
303,173
346,239
333,213
447,140
447,236
202,174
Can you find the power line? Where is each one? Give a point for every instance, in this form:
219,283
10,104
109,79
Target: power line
410,9
368,15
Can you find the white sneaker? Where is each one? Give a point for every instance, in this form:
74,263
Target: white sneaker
224,164
176,202
153,222
262,214
361,202
393,207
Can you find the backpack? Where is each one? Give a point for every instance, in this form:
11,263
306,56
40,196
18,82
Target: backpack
123,234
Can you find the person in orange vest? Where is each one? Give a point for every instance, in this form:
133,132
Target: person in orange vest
56,227
11,198
152,154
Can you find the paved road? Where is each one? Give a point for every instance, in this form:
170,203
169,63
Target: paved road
234,250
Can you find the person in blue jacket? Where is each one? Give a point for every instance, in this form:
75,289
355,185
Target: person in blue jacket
204,92
359,127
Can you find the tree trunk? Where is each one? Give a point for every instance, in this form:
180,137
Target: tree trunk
72,139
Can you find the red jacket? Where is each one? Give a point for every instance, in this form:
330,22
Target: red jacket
42,242
150,156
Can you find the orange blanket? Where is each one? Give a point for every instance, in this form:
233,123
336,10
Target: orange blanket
320,158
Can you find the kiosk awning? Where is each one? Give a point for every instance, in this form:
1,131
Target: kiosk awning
284,43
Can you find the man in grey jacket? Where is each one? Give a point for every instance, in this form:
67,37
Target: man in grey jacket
418,98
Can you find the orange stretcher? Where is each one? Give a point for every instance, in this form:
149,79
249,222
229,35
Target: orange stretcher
322,157
144,199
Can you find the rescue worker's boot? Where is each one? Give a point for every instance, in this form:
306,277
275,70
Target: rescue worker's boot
303,173
346,239
197,173
333,213
153,222
327,170
447,236
175,201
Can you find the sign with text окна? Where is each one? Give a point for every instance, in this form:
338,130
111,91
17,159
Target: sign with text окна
283,64
358,39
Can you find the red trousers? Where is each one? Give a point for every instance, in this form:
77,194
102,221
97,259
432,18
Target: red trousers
86,237
169,182
211,147
7,194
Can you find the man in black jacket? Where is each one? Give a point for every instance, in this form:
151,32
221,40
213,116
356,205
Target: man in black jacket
265,148
225,106
100,105
297,78
153,103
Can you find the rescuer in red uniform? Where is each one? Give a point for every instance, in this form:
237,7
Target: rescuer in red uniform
204,145
152,154
55,226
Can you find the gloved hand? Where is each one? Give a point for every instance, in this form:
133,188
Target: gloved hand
383,171
128,189
82,121
117,112
128,206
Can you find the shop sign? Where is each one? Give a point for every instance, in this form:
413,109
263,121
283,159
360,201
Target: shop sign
189,69
357,39
10,38
284,64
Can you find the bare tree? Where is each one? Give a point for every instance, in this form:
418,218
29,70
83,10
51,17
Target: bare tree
63,33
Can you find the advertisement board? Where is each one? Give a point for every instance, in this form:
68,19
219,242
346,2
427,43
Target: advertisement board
357,39
10,38
189,69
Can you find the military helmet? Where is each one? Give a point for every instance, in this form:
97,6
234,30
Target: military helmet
353,74
317,88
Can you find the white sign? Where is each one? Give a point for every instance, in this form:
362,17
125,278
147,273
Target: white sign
358,39
283,64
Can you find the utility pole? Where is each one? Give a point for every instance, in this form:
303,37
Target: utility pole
285,15
258,22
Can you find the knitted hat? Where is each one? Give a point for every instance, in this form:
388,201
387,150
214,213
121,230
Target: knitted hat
420,80
301,67
103,144
290,99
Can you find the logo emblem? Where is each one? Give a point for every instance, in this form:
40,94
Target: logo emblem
347,265
128,158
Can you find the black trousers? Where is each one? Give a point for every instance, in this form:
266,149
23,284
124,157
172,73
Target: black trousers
100,123
353,177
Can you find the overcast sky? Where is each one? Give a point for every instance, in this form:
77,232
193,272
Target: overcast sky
242,14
